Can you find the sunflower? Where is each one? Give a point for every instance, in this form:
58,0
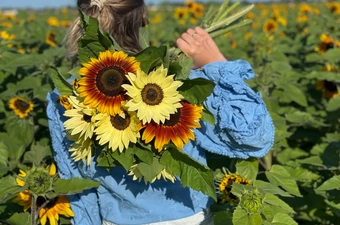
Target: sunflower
177,129
53,21
54,207
154,96
81,149
118,130
334,7
81,120
270,26
224,184
64,102
327,42
20,106
102,79
181,13
50,39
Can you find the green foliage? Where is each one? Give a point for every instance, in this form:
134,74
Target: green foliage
297,181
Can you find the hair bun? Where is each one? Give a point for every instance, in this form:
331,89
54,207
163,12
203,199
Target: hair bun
91,7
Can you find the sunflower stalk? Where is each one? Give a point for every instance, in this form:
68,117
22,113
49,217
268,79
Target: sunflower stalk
34,213
221,11
232,27
225,22
227,11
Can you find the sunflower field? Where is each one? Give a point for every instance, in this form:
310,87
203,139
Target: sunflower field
294,49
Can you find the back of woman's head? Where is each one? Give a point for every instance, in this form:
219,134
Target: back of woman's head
122,19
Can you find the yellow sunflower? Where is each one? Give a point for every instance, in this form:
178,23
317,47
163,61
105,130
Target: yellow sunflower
20,106
81,120
53,21
102,79
270,26
54,207
181,13
224,185
81,149
178,129
334,7
50,39
118,130
154,96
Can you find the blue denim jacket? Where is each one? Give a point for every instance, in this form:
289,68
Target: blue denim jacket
243,128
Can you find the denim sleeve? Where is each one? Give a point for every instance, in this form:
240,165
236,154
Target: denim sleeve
243,127
85,205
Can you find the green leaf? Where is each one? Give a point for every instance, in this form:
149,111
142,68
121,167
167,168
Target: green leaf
281,67
20,219
60,82
153,57
185,64
240,216
36,155
94,41
332,55
248,168
295,94
8,188
278,175
143,154
330,184
75,72
125,158
266,187
20,129
149,172
192,173
74,185
276,201
304,119
223,218
207,116
197,90
283,219
333,104
255,219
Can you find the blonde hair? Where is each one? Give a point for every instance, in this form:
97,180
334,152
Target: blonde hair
122,19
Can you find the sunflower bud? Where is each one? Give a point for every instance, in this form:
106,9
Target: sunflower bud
251,201
39,181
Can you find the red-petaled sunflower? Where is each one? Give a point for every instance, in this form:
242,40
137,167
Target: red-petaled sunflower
20,106
102,79
177,129
54,207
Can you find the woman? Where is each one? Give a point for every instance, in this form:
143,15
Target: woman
243,129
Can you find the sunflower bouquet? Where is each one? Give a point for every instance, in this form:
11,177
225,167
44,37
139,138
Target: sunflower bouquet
138,111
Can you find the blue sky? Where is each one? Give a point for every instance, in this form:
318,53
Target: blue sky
40,4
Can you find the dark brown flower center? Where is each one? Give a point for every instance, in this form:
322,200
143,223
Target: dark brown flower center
87,118
270,27
51,202
174,119
152,94
21,105
119,122
109,81
330,86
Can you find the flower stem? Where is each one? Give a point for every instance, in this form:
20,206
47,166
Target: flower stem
33,211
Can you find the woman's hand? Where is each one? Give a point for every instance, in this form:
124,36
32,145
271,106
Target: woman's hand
197,44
